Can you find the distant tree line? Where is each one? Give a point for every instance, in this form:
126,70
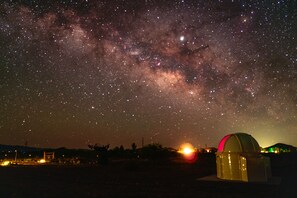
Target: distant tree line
150,152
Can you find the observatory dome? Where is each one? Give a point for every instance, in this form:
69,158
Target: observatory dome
239,142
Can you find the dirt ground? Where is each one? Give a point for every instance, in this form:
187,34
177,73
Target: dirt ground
135,179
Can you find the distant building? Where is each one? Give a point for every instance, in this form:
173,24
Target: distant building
279,148
48,156
209,150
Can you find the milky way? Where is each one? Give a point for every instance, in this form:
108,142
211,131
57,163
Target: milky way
74,73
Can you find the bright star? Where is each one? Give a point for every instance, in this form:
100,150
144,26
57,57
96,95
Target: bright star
181,38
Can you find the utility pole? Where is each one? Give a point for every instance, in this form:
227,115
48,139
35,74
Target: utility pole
16,155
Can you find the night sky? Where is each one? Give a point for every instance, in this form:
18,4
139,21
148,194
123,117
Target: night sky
74,73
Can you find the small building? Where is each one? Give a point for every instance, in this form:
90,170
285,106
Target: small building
210,150
48,156
239,158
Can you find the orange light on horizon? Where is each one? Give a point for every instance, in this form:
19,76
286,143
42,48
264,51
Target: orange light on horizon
41,161
5,163
188,151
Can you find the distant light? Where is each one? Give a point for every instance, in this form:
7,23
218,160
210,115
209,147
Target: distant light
186,148
188,151
181,38
41,161
5,163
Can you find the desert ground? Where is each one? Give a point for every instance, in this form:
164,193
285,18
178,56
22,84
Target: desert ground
135,178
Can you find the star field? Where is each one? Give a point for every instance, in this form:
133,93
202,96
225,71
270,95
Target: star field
74,73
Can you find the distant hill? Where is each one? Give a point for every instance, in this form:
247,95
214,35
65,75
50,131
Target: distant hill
12,148
6,148
281,147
